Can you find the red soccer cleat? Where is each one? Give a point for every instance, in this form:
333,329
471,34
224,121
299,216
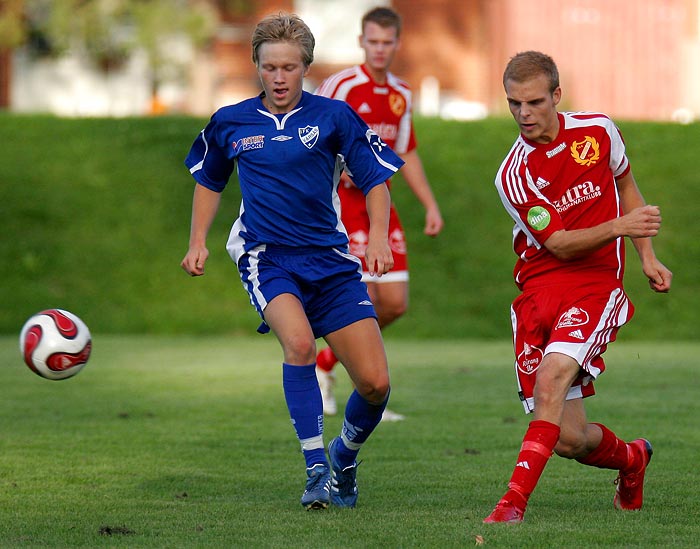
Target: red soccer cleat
629,491
506,512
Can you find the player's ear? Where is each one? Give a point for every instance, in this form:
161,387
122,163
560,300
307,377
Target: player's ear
556,95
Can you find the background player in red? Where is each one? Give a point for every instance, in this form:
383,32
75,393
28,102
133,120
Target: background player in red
568,186
384,102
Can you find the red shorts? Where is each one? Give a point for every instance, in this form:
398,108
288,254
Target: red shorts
571,320
356,220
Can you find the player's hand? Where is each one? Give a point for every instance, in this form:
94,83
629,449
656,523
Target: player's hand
641,222
433,222
193,262
379,258
659,276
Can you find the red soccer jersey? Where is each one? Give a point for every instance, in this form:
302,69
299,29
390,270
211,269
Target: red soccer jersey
386,108
566,184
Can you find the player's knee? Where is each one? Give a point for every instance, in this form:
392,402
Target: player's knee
374,390
299,350
570,447
388,311
398,309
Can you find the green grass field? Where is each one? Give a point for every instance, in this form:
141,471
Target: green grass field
185,442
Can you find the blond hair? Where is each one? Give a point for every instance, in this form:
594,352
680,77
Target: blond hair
284,27
528,64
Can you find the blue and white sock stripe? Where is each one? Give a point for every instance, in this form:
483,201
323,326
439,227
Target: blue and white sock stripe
313,443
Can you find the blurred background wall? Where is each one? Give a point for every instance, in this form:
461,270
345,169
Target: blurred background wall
633,59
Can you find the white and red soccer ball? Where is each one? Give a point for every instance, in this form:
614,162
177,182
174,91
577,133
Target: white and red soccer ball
55,344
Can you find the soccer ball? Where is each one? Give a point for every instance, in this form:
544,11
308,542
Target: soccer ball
55,344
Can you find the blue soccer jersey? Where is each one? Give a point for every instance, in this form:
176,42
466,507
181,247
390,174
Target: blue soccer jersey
288,168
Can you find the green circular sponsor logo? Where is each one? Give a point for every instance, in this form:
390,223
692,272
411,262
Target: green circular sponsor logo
538,218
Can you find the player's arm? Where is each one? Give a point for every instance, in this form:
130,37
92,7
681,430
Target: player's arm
638,221
205,204
378,255
631,199
417,181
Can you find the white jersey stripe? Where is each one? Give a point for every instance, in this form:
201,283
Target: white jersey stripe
198,165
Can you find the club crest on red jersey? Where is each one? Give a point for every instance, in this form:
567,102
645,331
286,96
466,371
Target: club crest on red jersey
397,103
586,152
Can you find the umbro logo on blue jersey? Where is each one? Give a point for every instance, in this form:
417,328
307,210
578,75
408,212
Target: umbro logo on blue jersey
375,140
309,136
282,138
365,302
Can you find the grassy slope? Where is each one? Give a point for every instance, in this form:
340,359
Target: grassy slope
96,213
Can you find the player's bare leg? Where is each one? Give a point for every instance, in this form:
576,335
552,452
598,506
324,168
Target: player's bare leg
287,320
589,443
365,363
554,378
367,367
390,301
600,447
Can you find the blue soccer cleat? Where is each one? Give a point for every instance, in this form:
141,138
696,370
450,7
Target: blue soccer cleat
343,485
317,494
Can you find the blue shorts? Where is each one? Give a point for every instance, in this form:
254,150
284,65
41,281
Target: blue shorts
327,282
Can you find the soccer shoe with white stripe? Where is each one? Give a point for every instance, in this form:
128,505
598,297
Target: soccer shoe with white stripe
629,490
317,494
343,480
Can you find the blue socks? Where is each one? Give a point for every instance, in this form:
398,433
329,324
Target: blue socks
305,406
305,409
361,418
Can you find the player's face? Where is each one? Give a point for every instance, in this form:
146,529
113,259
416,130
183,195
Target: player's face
380,45
534,108
281,71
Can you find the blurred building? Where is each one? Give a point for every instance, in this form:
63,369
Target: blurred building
633,59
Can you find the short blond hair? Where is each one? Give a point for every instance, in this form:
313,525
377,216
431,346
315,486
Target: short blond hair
284,27
525,65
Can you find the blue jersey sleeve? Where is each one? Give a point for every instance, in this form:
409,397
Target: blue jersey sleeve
368,160
206,160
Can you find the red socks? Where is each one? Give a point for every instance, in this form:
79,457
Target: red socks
326,359
538,445
611,453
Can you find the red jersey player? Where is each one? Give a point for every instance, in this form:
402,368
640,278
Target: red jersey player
384,103
568,186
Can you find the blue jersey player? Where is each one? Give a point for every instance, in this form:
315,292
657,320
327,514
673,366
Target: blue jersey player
288,148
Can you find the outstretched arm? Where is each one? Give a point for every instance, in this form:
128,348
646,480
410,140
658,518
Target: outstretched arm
205,204
417,181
